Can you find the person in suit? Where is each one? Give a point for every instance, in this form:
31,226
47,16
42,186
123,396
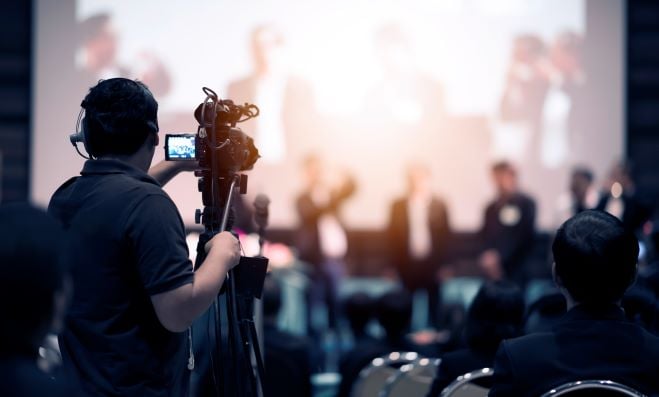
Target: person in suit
495,314
508,231
582,195
418,236
287,356
321,239
594,264
621,198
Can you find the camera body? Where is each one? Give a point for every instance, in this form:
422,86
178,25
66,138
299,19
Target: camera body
219,146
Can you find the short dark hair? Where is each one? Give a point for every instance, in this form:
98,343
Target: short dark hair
358,308
495,314
119,116
31,271
583,172
503,166
595,257
394,312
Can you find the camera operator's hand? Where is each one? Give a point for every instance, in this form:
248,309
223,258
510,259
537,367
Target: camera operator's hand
224,247
164,171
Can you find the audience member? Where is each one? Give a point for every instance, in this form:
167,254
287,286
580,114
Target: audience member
594,264
359,310
33,298
394,313
508,227
495,314
418,236
287,356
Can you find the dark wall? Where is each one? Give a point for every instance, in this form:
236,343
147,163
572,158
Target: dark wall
15,91
643,93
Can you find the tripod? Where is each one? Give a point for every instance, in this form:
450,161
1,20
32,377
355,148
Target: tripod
237,344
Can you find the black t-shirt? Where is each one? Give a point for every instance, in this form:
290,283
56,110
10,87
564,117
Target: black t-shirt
127,243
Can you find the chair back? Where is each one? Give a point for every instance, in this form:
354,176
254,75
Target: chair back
373,377
413,379
600,388
464,385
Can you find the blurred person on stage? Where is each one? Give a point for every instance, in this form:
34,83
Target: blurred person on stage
321,238
621,198
582,195
508,230
419,234
97,57
135,290
286,100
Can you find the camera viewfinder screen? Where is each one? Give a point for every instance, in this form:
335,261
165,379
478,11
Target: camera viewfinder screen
180,147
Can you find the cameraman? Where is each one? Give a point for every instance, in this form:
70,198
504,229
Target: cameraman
135,292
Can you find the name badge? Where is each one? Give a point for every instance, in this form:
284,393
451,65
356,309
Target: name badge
509,215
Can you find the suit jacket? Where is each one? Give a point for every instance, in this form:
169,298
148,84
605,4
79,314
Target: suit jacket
512,241
590,342
309,213
636,211
399,240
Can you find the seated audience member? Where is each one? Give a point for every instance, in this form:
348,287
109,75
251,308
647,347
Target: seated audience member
33,299
394,313
508,227
495,314
359,309
594,264
649,274
640,306
287,356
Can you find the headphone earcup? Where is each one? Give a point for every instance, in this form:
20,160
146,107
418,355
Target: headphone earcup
85,139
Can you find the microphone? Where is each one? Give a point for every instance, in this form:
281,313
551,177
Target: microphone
261,203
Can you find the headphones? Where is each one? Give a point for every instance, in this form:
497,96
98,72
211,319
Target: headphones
80,134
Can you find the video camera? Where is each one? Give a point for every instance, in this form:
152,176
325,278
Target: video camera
217,137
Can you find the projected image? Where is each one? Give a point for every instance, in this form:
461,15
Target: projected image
456,85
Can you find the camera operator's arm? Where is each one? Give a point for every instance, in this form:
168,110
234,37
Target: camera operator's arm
164,171
178,308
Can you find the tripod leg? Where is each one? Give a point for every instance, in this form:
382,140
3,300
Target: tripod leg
257,351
